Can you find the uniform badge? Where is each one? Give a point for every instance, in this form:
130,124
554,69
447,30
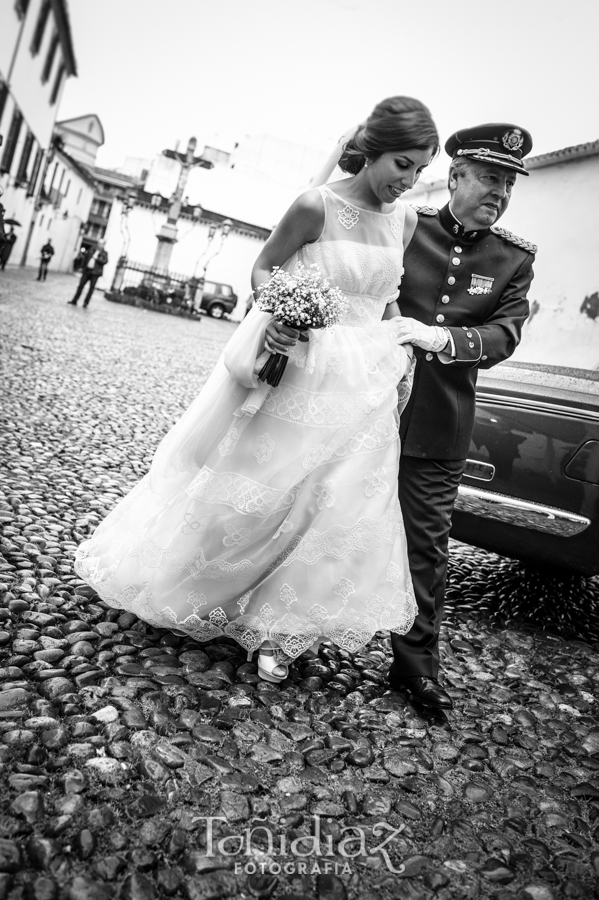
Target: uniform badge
513,140
480,284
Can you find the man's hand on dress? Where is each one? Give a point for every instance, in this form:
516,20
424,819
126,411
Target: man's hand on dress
279,338
427,337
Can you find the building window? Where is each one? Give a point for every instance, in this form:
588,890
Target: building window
42,21
21,178
50,58
11,141
35,172
79,196
53,176
57,84
66,190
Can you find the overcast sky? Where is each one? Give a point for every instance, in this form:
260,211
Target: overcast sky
158,71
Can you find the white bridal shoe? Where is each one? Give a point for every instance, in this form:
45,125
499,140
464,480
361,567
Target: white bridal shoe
268,667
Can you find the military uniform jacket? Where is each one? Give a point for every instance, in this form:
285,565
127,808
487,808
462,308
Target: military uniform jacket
475,285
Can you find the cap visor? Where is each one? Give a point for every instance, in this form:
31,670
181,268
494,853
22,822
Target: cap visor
514,167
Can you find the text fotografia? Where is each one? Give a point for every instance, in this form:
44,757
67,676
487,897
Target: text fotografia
258,850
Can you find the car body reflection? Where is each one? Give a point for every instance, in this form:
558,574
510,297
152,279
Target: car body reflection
531,486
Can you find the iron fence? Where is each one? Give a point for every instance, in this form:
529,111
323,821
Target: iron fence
152,288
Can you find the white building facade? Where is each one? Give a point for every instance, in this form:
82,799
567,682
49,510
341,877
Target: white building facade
36,58
64,205
82,137
133,233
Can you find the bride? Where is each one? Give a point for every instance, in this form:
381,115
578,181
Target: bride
270,514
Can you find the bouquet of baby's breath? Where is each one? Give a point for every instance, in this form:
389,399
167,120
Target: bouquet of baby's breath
301,300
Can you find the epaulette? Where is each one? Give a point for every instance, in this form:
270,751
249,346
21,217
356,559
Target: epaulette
514,239
426,210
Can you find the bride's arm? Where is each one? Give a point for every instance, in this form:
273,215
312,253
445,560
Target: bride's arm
302,223
391,310
410,223
409,227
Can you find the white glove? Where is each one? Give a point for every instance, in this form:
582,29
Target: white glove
428,337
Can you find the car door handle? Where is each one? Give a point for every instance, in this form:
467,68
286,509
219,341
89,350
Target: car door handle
481,470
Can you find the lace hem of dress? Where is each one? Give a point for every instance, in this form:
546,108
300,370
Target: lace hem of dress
350,629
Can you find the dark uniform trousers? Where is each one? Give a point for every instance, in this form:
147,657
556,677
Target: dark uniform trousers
474,284
427,493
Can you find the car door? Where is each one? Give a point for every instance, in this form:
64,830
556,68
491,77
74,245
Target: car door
531,485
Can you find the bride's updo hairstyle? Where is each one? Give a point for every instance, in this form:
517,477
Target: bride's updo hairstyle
395,124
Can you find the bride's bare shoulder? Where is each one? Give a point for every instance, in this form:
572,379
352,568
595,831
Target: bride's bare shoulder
310,206
311,200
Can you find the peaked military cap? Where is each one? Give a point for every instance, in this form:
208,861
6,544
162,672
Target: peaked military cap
499,143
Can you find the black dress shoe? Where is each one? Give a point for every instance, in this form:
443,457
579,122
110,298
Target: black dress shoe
72,302
426,690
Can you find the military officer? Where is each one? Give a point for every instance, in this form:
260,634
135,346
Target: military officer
463,299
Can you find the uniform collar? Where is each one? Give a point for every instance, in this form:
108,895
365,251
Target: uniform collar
455,228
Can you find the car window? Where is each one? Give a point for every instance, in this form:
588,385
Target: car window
210,287
225,290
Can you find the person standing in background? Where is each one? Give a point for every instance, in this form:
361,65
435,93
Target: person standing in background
47,252
92,268
6,249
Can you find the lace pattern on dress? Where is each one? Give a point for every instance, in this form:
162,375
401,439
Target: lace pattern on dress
396,226
242,493
295,404
404,388
349,628
263,447
373,436
338,542
365,310
376,482
355,266
173,561
348,216
228,443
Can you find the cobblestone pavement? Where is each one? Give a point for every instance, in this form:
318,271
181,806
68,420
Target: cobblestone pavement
117,741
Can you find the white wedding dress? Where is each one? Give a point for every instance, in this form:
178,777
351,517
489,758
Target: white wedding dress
271,513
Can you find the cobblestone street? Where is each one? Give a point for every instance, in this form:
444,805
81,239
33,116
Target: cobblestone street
119,741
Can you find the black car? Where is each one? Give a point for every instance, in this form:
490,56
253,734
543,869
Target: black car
531,486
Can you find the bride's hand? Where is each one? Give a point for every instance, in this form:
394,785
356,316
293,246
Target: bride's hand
279,338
